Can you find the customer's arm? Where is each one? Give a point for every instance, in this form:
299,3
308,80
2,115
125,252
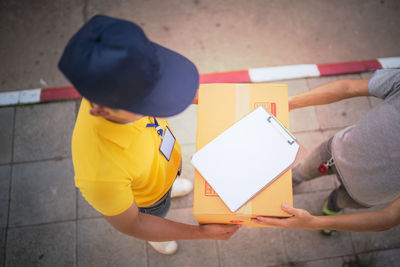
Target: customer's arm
153,228
369,221
330,92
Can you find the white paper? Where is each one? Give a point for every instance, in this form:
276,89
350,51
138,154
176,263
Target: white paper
245,158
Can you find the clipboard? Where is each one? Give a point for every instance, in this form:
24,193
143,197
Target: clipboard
246,157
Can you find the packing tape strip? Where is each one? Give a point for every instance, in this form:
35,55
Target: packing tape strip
242,98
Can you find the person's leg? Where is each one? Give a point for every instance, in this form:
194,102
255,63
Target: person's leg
340,199
160,209
336,202
180,187
307,169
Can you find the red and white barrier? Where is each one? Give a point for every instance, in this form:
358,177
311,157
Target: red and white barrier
38,95
254,75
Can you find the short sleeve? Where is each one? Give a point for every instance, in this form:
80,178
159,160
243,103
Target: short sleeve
384,83
109,198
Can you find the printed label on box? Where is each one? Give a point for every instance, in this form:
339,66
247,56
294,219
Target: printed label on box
209,192
270,106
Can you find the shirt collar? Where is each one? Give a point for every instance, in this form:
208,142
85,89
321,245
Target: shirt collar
120,134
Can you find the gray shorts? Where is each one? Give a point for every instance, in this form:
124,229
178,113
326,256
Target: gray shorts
307,170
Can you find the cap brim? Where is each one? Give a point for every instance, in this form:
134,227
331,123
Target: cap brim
174,91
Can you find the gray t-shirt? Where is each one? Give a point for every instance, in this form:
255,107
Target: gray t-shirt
367,154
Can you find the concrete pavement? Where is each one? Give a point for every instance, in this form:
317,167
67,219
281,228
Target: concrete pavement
43,219
218,35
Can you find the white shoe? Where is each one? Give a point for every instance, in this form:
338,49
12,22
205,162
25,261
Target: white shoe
181,187
167,248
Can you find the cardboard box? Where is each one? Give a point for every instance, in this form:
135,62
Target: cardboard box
219,107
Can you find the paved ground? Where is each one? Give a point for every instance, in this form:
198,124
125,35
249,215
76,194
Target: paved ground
43,219
218,35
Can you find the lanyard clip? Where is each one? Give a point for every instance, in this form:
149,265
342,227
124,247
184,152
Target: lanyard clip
159,130
157,126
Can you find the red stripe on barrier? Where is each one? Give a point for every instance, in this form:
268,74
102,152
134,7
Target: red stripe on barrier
58,93
69,92
241,76
348,67
372,64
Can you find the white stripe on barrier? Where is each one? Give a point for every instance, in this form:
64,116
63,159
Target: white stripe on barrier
30,96
390,62
9,98
283,72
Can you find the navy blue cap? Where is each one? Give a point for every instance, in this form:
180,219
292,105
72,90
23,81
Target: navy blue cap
112,63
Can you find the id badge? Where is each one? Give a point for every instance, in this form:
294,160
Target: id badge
167,143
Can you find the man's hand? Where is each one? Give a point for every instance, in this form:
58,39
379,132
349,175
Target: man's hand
366,221
153,228
300,219
219,231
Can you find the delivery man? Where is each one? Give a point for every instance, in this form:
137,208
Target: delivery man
125,157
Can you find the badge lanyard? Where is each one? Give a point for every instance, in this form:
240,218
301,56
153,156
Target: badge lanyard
167,139
157,126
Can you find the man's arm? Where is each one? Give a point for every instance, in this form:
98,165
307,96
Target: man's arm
330,92
369,221
153,228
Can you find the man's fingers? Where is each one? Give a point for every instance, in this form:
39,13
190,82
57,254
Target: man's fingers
264,219
268,221
235,227
219,231
288,209
231,230
232,226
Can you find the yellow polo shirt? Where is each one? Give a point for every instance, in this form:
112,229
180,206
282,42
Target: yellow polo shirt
116,164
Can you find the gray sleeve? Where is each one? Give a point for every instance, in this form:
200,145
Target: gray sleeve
384,83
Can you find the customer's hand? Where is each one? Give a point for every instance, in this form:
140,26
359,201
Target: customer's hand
300,219
219,231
